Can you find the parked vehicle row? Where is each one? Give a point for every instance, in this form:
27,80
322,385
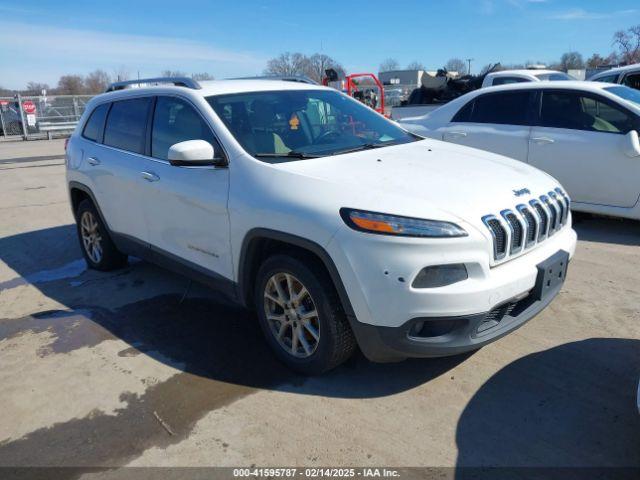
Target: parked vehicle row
338,227
585,134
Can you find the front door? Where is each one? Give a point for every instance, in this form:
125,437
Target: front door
580,141
186,207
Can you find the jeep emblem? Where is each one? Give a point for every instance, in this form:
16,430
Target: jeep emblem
521,192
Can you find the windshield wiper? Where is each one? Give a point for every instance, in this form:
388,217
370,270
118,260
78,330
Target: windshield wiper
364,146
291,154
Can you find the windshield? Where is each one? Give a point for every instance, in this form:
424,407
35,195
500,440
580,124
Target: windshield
554,76
625,92
292,124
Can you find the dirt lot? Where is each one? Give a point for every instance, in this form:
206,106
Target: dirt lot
111,369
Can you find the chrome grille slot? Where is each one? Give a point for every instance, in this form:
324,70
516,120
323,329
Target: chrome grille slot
514,231
517,231
499,235
543,216
567,204
553,213
532,225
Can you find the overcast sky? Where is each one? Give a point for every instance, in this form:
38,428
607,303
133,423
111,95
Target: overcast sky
39,41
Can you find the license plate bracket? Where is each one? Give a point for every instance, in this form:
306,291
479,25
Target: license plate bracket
551,274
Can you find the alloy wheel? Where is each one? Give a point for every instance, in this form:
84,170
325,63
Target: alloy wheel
91,238
292,315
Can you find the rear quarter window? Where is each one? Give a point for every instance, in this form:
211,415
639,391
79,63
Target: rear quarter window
94,127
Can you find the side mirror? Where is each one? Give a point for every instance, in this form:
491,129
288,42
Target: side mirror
632,144
193,153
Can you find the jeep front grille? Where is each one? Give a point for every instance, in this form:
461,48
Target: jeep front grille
514,231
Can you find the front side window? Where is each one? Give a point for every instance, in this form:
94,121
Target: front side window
508,80
290,124
505,108
175,121
95,125
632,81
126,124
576,111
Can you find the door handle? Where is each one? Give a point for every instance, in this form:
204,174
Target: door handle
93,161
542,140
455,134
150,176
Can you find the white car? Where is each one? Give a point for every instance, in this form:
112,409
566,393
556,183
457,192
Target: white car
505,77
628,75
585,134
335,225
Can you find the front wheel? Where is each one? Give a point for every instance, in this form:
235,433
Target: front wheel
301,315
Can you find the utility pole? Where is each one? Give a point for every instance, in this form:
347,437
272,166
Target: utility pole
469,60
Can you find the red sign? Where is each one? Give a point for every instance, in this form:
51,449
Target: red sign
29,107
4,103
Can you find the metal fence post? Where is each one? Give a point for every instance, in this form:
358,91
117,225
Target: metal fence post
75,108
22,118
4,128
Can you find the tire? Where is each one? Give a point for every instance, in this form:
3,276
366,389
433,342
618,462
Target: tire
98,249
333,342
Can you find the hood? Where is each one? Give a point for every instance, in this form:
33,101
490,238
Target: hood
428,179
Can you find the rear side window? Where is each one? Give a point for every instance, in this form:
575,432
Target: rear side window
126,125
174,121
507,80
95,125
506,108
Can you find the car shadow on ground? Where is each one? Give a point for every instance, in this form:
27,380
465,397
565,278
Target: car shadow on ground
606,230
204,336
570,406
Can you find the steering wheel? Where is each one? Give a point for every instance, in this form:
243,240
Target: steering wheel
327,136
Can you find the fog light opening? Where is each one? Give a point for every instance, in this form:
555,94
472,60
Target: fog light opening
440,276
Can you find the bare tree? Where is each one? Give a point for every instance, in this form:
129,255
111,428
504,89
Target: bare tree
628,44
97,81
287,64
571,61
456,65
71,85
415,65
172,73
120,74
36,88
317,64
389,65
202,76
595,60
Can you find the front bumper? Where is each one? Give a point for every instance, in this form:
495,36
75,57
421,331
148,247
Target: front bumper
445,336
377,273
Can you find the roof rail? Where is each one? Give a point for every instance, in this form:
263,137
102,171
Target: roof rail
284,78
177,81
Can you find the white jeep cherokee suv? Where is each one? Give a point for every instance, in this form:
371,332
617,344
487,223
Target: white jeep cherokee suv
339,228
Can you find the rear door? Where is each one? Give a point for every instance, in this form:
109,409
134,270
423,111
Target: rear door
497,122
579,139
185,207
114,166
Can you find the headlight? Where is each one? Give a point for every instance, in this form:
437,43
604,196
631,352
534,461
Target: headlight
385,224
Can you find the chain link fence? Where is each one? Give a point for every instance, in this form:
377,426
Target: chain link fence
32,117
